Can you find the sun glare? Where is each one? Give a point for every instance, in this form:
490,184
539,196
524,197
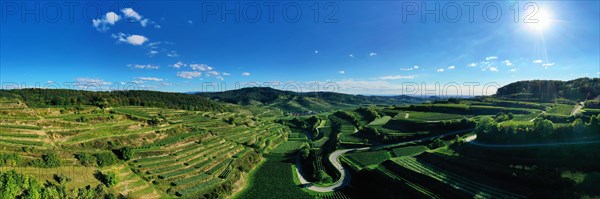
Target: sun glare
539,21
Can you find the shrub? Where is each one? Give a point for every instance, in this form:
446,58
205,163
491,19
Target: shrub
126,153
106,159
109,178
51,160
86,159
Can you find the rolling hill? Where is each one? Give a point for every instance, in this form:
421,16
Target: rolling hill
303,102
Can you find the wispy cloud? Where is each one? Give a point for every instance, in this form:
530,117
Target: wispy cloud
342,72
179,64
92,83
226,74
190,22
537,61
372,54
156,79
493,69
451,67
491,58
546,65
507,62
141,66
316,51
394,77
410,68
172,54
245,74
513,70
440,70
131,14
189,74
472,65
351,55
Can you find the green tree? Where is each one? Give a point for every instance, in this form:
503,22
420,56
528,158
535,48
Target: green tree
51,160
578,126
543,127
323,177
126,153
305,151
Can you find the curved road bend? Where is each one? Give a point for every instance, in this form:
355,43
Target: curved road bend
344,173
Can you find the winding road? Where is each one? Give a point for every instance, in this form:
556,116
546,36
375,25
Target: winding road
344,173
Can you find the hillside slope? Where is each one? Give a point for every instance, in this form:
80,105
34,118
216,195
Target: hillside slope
303,102
548,90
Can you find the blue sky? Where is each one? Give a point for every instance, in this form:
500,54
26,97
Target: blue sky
361,47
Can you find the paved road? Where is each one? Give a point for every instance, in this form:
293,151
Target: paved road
344,174
578,108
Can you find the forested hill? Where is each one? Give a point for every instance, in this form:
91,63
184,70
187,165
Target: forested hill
62,97
548,90
308,101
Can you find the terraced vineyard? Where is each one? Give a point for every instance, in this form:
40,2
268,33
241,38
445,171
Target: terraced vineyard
470,186
177,152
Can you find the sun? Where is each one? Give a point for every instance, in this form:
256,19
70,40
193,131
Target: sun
539,21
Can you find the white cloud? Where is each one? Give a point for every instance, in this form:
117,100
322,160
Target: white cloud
342,72
150,79
393,77
179,64
200,67
90,83
141,66
212,72
130,13
135,40
190,22
144,22
245,74
109,18
440,70
189,74
537,61
351,55
513,70
220,78
472,65
316,51
507,62
451,67
493,69
410,68
152,52
491,58
173,54
372,54
226,74
166,83
546,65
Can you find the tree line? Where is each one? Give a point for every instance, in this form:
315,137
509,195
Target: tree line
66,97
489,130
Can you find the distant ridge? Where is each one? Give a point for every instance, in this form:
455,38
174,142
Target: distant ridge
303,101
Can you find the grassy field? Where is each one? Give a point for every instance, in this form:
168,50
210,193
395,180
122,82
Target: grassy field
274,178
368,158
561,109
